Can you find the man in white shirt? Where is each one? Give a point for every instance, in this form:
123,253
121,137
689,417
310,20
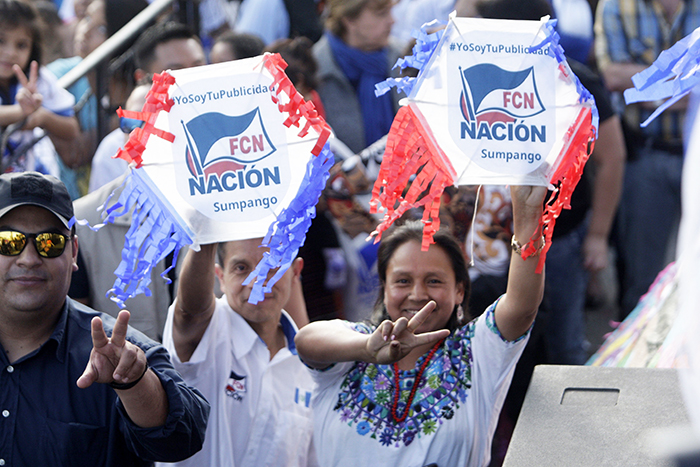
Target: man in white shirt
243,359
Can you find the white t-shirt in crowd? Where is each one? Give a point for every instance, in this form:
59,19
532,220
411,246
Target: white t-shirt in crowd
260,408
105,167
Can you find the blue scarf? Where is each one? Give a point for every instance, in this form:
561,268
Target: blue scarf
364,70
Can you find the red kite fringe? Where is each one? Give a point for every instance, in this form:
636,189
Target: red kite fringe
156,100
408,149
578,144
297,107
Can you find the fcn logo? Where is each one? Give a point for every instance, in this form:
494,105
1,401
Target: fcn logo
493,99
218,143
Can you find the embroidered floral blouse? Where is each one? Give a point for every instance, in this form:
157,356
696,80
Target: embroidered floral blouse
451,419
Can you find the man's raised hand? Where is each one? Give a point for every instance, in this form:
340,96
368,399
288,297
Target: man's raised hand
113,359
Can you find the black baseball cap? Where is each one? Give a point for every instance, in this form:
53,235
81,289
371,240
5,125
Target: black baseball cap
46,191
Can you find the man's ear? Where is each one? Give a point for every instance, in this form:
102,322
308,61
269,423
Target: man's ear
74,241
297,266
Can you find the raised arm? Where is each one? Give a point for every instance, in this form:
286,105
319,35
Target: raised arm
323,343
516,311
618,76
296,306
195,302
59,126
10,114
609,157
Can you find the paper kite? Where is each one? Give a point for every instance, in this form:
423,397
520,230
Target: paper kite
227,152
494,102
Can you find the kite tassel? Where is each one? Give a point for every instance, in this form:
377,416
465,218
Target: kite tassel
150,239
411,151
288,233
156,100
577,147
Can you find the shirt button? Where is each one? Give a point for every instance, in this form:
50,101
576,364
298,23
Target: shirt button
10,369
5,413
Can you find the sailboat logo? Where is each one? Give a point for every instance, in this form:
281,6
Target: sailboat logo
219,143
491,94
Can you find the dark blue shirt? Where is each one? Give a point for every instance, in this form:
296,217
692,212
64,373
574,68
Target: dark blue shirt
46,420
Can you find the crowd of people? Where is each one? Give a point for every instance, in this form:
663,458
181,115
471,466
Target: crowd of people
363,353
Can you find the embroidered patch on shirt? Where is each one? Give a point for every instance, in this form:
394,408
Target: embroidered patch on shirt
236,386
367,392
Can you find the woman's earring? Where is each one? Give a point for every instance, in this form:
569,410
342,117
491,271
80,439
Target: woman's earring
460,313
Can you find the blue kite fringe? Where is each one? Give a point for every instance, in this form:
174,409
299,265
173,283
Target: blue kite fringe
556,51
288,233
96,227
672,75
151,238
425,46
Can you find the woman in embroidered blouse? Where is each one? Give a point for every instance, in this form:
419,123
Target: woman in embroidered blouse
451,377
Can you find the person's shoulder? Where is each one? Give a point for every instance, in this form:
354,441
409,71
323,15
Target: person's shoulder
48,87
85,206
82,316
61,66
47,75
323,54
582,71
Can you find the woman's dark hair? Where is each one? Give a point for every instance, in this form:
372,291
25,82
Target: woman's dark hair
413,231
531,10
301,63
243,45
22,14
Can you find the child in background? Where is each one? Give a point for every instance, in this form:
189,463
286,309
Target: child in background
29,94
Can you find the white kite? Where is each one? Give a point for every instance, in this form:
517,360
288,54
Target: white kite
227,152
494,102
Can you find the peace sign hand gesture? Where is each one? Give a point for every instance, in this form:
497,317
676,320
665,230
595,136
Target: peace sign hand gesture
27,97
113,360
392,341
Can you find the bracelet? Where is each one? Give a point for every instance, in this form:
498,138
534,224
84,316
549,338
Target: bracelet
125,386
518,248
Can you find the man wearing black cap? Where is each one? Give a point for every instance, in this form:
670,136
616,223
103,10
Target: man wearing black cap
54,349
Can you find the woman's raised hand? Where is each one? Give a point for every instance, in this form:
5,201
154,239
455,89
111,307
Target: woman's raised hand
392,341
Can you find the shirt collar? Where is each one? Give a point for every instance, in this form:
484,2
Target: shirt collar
290,331
57,338
246,339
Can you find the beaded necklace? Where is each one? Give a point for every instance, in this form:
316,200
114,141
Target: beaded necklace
397,387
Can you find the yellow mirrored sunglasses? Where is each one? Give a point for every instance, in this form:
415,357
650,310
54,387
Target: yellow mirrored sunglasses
47,244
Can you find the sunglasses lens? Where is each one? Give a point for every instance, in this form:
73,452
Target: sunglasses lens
50,245
12,243
127,125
